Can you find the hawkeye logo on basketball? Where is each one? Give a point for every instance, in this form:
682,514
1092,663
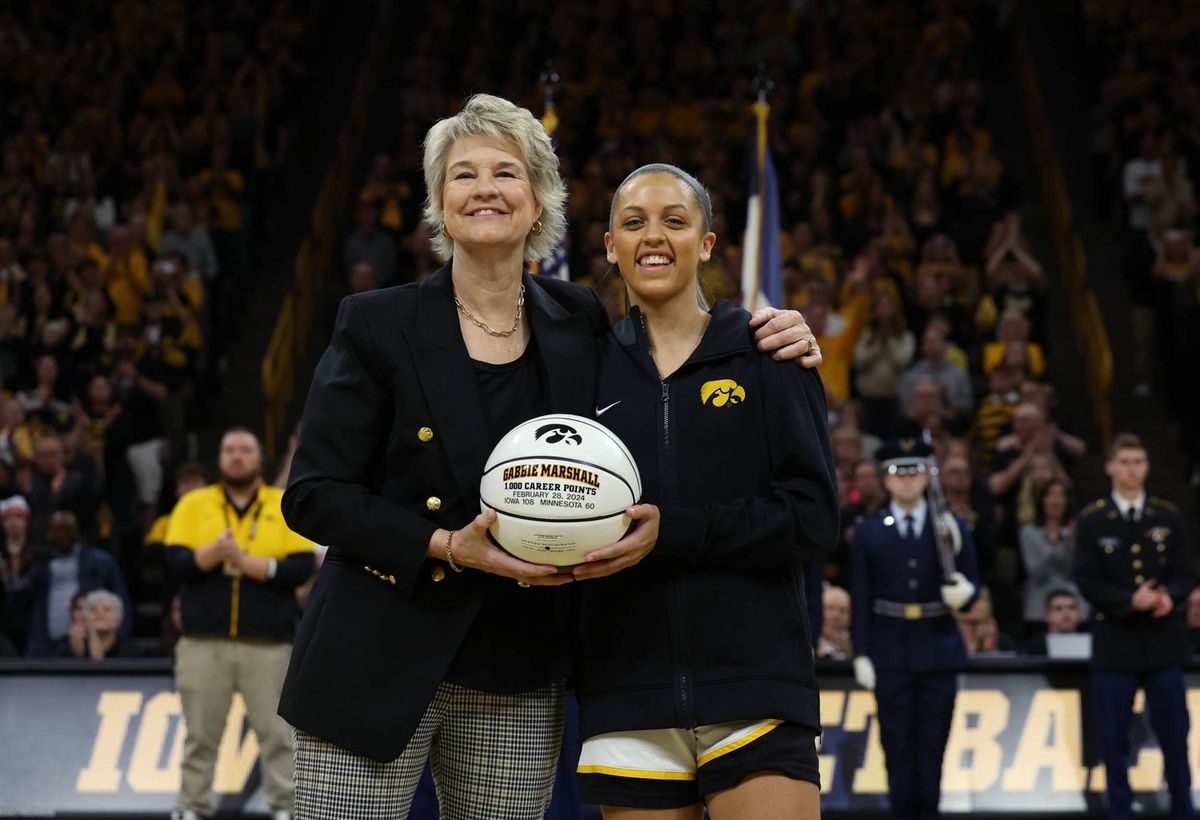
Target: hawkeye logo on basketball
566,472
558,432
722,393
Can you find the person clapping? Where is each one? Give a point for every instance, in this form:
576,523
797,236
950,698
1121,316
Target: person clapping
95,631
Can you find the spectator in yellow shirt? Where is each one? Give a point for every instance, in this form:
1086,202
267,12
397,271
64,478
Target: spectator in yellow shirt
838,332
127,275
1013,329
237,563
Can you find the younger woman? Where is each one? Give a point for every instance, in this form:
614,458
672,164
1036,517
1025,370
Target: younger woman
696,681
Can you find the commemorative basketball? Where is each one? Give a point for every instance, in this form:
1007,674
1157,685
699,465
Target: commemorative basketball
559,485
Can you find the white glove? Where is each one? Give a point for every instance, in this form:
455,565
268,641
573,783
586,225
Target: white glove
957,591
864,672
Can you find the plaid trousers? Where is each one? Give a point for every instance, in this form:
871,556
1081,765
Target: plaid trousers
493,756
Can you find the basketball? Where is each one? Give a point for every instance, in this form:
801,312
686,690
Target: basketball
559,485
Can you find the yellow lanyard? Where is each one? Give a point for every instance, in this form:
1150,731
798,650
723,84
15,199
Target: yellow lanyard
236,585
257,510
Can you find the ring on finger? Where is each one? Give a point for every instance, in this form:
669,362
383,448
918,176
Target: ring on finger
522,584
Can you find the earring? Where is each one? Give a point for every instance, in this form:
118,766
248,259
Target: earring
536,229
445,232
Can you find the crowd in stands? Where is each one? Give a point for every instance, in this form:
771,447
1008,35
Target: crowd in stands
138,145
1147,138
125,208
901,228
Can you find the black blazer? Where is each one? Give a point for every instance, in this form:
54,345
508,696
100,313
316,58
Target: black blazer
392,446
1112,559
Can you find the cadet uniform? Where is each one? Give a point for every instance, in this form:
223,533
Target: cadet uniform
901,623
1119,545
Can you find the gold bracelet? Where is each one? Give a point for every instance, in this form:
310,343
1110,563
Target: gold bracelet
450,552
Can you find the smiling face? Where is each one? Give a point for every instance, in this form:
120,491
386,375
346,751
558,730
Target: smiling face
487,198
658,238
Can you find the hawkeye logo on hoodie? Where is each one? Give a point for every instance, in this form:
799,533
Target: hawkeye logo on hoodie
722,392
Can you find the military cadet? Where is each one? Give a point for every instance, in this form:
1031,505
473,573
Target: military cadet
910,648
1131,563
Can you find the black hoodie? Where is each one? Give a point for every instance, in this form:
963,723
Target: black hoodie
711,626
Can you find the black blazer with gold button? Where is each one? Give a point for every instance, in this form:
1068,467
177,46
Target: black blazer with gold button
392,446
1113,557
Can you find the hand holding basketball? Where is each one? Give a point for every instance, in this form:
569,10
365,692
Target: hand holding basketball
473,549
631,549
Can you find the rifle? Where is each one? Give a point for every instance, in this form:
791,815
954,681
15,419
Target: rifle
940,515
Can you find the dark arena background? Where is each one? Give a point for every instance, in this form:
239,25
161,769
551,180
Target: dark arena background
985,211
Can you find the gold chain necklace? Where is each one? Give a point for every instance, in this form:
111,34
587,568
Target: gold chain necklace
488,330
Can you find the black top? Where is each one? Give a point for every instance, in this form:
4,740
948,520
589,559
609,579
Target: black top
513,393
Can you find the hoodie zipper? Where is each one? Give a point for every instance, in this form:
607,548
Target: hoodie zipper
669,493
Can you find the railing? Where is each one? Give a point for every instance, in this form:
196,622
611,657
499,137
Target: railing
112,729
289,340
1070,253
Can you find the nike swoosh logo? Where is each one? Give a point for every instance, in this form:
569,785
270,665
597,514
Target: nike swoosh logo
600,412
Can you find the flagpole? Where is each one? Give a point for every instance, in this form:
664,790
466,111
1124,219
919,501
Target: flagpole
763,85
548,79
556,264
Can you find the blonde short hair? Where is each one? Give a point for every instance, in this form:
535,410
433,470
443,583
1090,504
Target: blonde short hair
484,115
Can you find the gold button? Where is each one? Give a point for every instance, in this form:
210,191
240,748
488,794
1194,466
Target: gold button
1135,549
1108,548
1137,579
1099,616
437,574
1162,547
433,503
425,434
1137,564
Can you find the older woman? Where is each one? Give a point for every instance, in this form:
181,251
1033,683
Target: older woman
95,631
422,639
